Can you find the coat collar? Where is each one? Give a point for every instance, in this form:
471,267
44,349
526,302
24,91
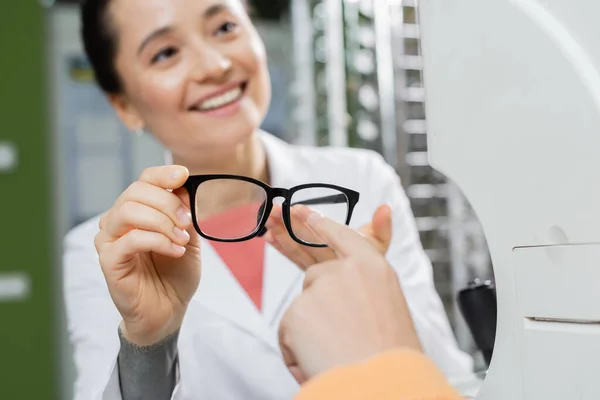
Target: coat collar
280,159
281,275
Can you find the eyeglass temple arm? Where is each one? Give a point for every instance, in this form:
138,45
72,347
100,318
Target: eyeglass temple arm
333,199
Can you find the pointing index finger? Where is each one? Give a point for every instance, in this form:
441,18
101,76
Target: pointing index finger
341,238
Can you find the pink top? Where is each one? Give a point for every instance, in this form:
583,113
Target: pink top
244,259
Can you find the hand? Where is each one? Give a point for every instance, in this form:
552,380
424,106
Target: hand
378,232
351,308
150,255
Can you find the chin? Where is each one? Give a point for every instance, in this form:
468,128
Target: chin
227,140
223,130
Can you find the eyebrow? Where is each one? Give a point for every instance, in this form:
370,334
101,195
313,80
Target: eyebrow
208,13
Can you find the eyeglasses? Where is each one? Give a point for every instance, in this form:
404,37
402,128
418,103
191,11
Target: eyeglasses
232,208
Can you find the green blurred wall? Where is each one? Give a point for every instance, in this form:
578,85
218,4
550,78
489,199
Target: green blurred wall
28,359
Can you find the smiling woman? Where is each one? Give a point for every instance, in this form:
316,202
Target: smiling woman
179,71
194,74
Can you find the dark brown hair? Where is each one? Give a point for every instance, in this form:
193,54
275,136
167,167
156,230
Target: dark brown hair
100,44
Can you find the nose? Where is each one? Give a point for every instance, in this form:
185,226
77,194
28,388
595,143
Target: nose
210,64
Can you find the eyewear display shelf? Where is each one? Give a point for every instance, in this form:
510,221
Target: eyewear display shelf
450,231
358,83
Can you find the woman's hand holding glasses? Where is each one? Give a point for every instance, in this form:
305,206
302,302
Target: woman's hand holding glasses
150,254
378,232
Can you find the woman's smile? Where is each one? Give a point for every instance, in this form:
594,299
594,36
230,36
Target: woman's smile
222,102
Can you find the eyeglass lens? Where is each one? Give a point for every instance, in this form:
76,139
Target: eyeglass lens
229,208
329,202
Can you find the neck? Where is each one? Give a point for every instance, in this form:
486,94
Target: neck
246,159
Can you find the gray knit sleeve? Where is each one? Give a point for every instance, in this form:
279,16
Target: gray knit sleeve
148,372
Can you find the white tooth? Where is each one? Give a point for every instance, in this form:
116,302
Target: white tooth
221,100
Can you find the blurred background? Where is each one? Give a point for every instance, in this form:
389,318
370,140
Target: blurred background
344,72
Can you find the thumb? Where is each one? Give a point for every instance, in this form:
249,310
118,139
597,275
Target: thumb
184,196
292,365
382,223
379,230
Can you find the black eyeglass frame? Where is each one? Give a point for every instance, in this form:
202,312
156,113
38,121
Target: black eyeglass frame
194,181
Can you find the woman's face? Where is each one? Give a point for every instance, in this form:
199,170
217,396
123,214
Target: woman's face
194,72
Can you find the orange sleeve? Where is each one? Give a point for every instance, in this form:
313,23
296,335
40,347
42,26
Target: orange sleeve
397,375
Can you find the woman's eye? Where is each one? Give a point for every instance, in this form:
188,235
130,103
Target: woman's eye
164,54
226,28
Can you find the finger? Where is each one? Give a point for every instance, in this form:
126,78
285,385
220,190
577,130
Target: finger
184,197
132,215
292,366
382,224
285,342
137,241
379,230
341,238
166,176
100,239
303,231
102,221
306,234
162,200
278,237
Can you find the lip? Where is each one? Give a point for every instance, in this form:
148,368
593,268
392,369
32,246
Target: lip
215,93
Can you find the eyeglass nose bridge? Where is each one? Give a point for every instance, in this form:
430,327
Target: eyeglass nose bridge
279,192
275,193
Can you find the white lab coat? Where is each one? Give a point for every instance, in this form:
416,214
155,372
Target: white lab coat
228,350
